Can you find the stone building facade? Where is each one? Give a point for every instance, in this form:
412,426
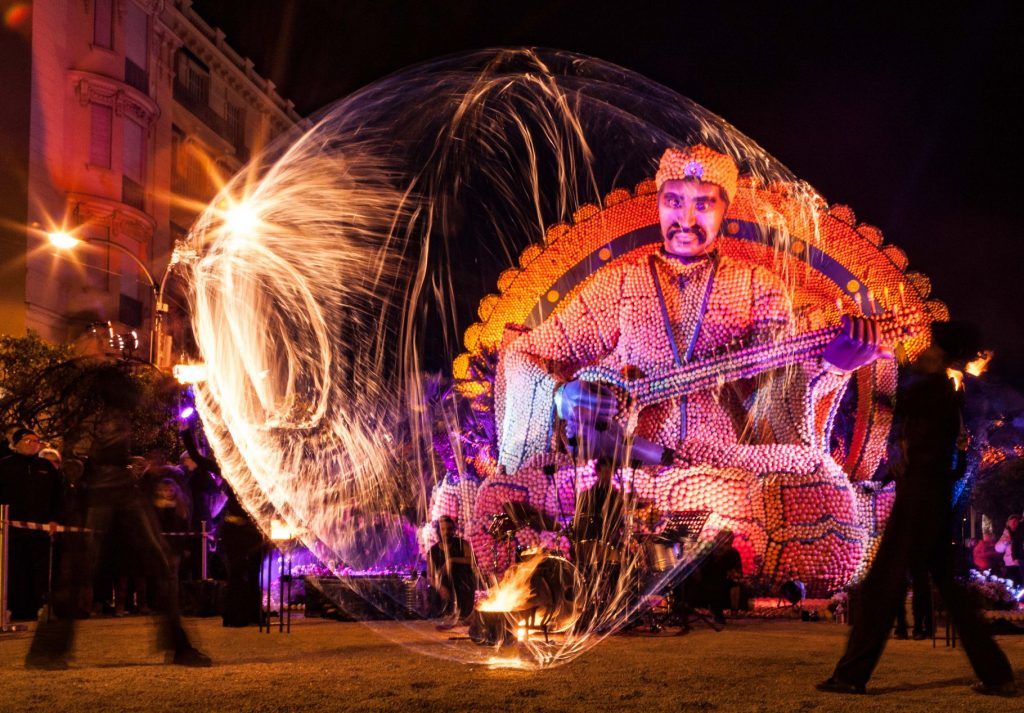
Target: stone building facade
123,118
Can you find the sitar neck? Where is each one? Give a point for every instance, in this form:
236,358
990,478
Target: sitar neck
741,364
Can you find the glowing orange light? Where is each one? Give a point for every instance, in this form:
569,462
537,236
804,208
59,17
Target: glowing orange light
957,377
241,221
978,366
62,240
17,15
281,531
513,591
189,373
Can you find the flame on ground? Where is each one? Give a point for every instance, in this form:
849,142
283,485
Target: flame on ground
513,591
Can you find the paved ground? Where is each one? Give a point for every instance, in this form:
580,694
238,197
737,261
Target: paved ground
754,665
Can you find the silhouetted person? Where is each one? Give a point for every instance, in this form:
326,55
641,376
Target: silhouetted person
1011,547
710,585
921,606
115,507
239,543
451,569
31,486
928,410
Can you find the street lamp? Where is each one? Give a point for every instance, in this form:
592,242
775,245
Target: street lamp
65,241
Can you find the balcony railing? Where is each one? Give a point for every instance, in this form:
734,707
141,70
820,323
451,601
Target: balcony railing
193,184
136,76
133,194
199,106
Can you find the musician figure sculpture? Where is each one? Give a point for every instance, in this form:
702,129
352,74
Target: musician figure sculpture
674,305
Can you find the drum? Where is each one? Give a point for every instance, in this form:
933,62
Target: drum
662,555
555,586
596,552
528,553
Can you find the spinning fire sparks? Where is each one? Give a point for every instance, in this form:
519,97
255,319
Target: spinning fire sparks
328,277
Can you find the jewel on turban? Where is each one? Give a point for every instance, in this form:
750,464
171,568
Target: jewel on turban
698,163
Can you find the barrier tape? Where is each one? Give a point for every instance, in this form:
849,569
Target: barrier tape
207,535
46,527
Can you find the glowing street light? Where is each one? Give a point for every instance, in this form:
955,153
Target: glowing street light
189,373
62,240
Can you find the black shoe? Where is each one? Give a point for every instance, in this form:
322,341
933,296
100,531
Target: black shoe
921,636
191,657
46,663
901,635
836,685
1005,690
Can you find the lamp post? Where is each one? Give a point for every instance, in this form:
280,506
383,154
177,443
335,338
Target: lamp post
66,241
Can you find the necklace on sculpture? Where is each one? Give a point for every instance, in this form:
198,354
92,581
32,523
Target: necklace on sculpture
684,358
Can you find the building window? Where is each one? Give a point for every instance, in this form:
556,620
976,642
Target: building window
136,44
134,174
130,311
235,125
179,162
99,140
103,24
190,173
134,151
194,77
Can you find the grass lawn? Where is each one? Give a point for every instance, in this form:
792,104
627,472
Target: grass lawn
754,665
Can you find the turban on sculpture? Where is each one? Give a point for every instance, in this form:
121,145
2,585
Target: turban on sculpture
698,163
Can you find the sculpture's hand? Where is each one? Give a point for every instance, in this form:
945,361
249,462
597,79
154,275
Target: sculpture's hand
586,406
589,409
858,343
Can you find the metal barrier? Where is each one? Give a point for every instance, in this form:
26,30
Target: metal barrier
4,538
53,529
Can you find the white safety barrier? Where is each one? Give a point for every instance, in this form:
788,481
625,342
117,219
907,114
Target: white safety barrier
53,529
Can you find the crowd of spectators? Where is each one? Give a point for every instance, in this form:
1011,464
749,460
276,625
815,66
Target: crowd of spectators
45,488
1003,554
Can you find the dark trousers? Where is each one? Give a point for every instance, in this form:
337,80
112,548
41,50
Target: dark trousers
917,532
921,586
29,562
113,512
241,545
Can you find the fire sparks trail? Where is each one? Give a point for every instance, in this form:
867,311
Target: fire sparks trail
335,270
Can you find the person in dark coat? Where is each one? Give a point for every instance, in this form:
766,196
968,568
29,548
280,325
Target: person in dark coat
239,543
451,570
114,507
31,486
928,410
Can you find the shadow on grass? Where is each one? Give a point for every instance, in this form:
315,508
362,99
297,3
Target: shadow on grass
959,682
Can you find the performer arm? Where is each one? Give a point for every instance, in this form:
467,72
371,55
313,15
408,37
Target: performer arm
439,572
188,438
536,363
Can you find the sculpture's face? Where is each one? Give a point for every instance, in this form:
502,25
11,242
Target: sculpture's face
691,214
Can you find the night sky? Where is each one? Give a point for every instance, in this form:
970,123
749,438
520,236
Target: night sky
902,114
